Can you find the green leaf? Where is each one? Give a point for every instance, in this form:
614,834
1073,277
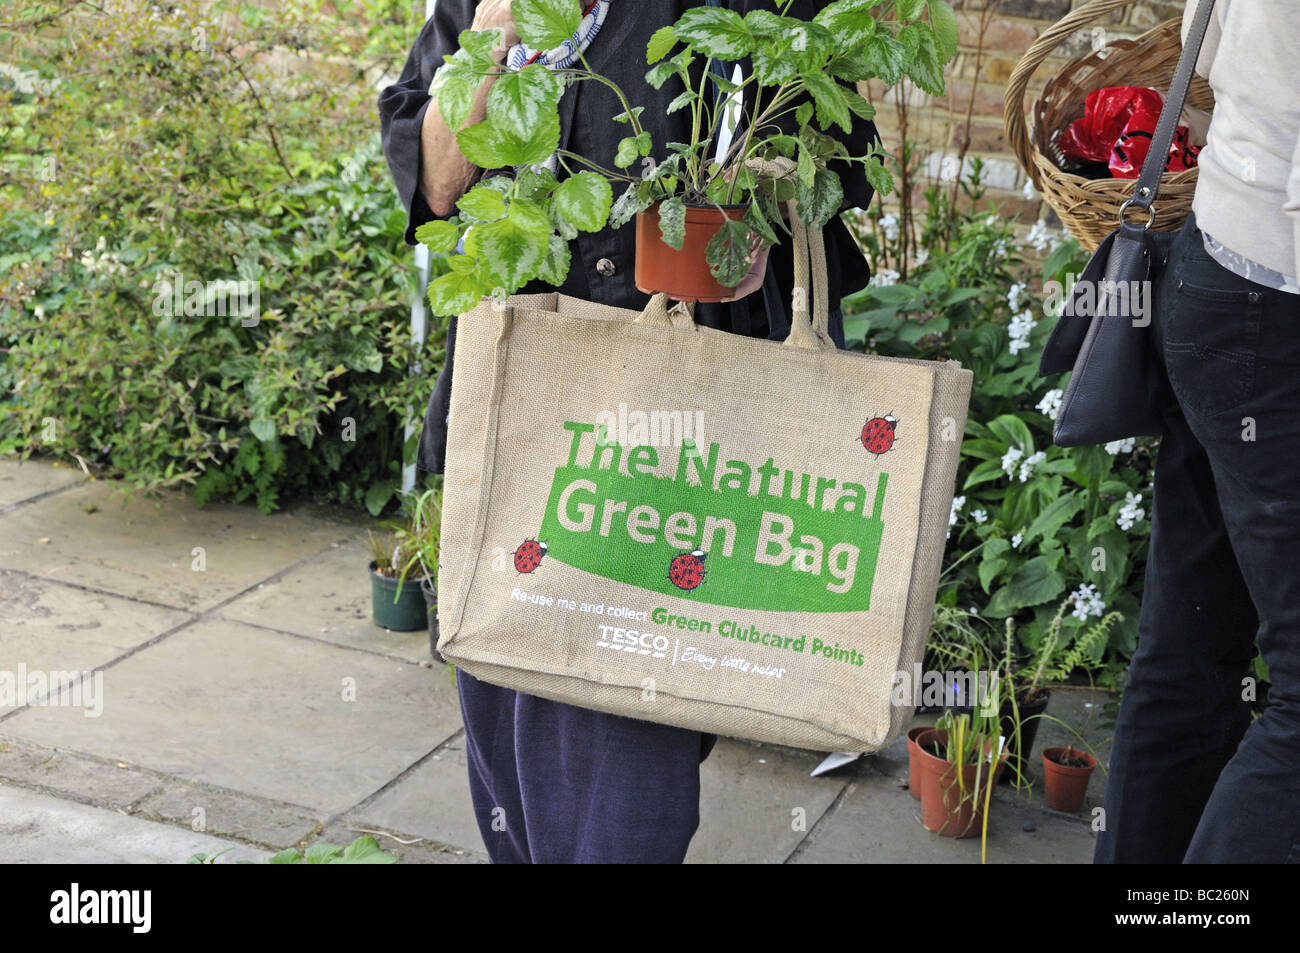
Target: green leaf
263,429
885,57
632,148
661,41
983,473
439,236
909,9
728,253
857,103
683,100
943,22
321,853
455,292
1033,584
377,498
657,75
1012,431
757,221
803,113
289,855
454,90
806,167
511,250
878,176
584,200
555,266
849,23
926,69
818,205
365,850
831,108
628,205
624,117
545,24
672,222
1053,516
518,102
716,32
488,146
484,204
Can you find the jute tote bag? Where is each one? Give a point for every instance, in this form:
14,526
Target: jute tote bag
677,524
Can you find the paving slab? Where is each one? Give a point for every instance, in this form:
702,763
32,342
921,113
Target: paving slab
37,828
230,814
272,715
431,802
164,550
46,626
327,597
28,479
104,784
757,803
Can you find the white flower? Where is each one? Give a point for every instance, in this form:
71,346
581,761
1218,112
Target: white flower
884,277
1086,602
922,257
1010,459
1121,446
957,503
1039,236
1017,540
1027,468
1000,248
973,610
1028,190
979,516
1130,513
1019,329
1050,405
1014,295
890,225
992,219
40,313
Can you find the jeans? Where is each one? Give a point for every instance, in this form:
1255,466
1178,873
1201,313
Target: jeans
1192,779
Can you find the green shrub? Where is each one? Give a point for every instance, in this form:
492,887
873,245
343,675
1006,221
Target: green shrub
218,142
1032,523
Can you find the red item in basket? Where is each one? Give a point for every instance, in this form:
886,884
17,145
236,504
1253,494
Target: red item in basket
1117,125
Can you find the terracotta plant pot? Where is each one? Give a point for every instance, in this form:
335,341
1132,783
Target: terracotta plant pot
683,274
943,809
914,759
1065,786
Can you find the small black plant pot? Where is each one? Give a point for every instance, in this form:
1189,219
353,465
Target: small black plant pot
431,606
406,614
1019,760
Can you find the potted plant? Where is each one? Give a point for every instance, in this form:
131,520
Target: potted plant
961,758
705,220
1057,656
423,543
391,607
1066,772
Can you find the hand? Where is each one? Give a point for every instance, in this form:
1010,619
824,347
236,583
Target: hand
496,13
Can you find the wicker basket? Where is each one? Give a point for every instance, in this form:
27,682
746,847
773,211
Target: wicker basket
1089,208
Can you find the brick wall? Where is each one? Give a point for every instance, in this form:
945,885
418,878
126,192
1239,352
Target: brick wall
937,125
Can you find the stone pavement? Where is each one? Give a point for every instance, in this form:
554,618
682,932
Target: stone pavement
247,701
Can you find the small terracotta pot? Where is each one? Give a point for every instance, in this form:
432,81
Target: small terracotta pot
1066,786
914,760
683,274
943,809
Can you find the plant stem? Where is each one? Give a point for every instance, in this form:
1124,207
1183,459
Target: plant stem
608,173
627,108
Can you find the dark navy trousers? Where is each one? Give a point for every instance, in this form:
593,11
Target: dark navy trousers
552,783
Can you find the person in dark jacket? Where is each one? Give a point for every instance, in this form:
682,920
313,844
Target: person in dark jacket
553,782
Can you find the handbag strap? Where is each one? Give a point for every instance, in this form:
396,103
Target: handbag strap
1148,183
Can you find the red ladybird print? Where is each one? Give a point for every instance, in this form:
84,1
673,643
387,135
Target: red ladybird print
529,555
687,570
878,434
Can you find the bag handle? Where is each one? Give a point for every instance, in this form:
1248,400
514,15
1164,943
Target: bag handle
1148,183
809,331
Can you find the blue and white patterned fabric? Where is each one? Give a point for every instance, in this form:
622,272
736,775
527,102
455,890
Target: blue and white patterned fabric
564,55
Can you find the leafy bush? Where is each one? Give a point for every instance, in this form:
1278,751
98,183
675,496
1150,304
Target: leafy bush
206,144
1032,523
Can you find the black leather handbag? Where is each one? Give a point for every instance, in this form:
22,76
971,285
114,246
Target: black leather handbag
1102,334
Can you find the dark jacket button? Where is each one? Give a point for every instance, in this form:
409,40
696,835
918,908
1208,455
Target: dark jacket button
605,267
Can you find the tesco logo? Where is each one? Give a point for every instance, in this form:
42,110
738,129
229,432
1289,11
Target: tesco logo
630,640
